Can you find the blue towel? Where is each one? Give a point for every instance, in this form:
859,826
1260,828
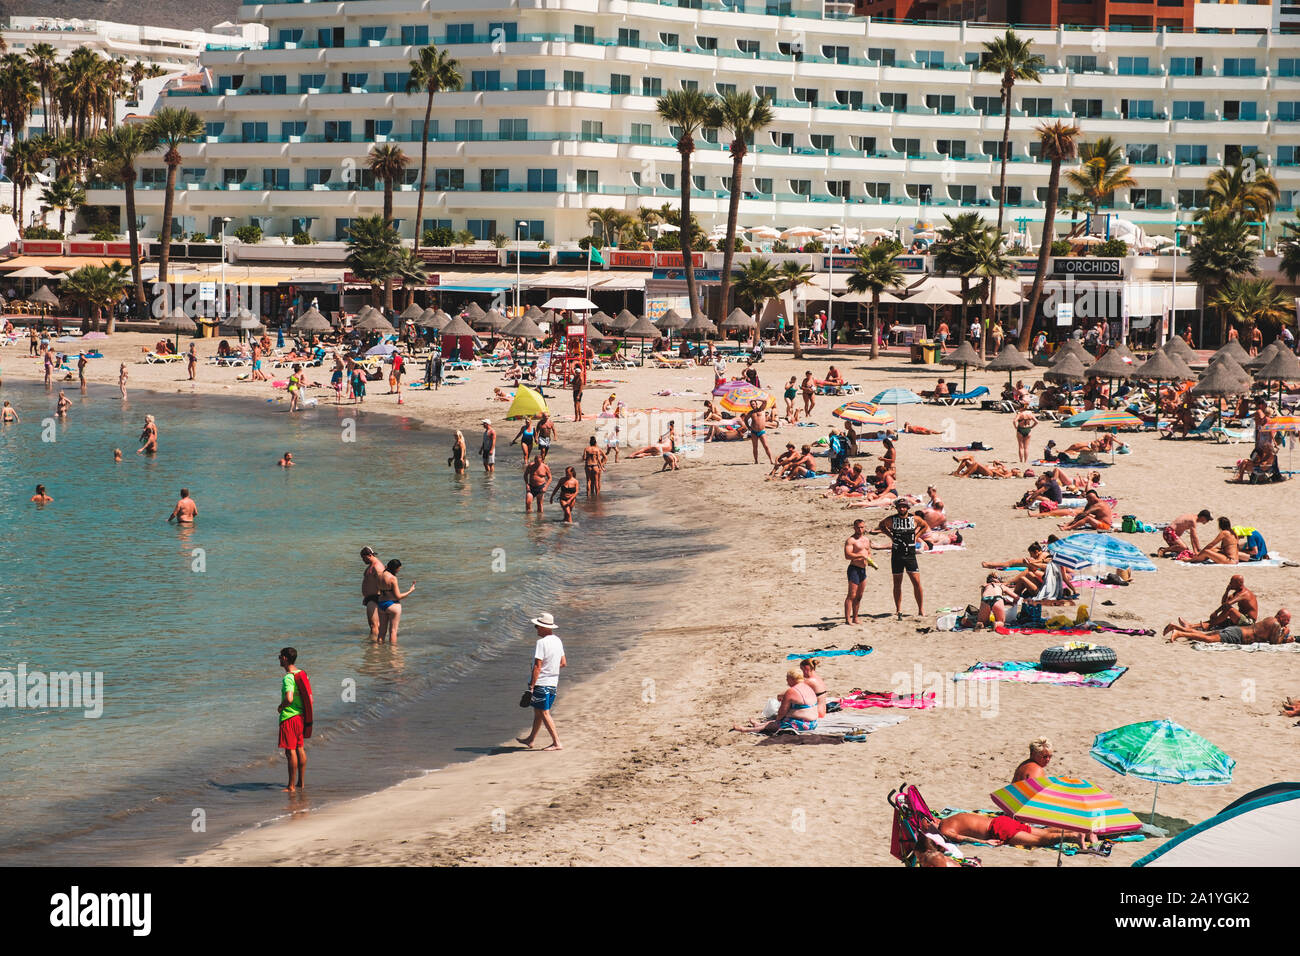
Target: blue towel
803,657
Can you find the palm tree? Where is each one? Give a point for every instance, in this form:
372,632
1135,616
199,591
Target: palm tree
877,270
21,163
432,73
688,111
1242,190
758,281
1010,56
989,262
952,250
744,116
792,276
1223,249
99,288
169,129
1060,143
18,91
1289,248
374,253
66,195
411,271
44,59
1255,301
118,150
1102,170
388,163
612,223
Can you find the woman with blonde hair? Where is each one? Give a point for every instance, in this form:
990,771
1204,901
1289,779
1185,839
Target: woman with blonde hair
1040,752
797,712
808,667
458,452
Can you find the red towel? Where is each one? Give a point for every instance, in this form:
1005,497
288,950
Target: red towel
303,686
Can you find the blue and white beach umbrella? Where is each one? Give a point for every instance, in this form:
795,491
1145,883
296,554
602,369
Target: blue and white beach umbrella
1094,549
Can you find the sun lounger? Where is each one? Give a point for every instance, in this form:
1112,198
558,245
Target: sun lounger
965,398
157,358
662,361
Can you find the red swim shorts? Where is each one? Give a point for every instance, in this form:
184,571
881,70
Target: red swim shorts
1005,827
291,733
1171,538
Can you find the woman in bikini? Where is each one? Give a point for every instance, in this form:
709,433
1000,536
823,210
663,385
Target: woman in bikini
1025,422
993,601
525,439
458,453
592,461
390,600
808,666
149,436
295,386
968,467
567,489
791,393
798,711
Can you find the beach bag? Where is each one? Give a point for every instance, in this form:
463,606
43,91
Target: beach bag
1129,524
771,708
526,698
303,689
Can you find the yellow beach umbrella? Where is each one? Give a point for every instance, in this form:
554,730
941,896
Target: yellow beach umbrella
527,403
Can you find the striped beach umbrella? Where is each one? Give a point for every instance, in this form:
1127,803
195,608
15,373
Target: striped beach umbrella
1283,423
1066,802
864,413
1163,752
1111,418
1093,549
734,397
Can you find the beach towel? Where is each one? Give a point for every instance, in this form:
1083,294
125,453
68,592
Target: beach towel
1028,672
961,448
860,650
869,698
855,724
303,688
1043,463
1274,560
941,548
1252,648
1093,628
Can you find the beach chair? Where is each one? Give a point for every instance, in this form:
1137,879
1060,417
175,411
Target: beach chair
1224,434
912,820
157,358
965,398
1204,430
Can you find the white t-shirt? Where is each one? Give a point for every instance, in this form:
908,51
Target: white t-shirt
549,650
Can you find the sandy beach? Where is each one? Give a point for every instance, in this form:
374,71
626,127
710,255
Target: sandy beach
650,773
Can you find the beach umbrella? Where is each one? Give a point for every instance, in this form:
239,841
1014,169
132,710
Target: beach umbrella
1262,358
642,329
1009,360
412,311
934,297
896,397
623,321
534,313
1072,347
1163,752
374,321
523,328
964,356
527,403
311,321
1113,420
1223,377
1068,370
737,319
734,397
44,296
432,319
177,321
1123,351
573,303
1093,549
599,318
1233,350
1282,367
30,272
671,320
383,348
1160,367
594,334
1111,365
863,413
1179,347
699,325
490,321
1068,803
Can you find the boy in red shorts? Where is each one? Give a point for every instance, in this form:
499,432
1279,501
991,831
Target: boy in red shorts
295,717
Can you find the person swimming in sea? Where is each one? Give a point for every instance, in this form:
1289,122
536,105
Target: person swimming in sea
41,498
149,436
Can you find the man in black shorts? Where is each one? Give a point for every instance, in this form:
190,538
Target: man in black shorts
857,551
370,588
903,529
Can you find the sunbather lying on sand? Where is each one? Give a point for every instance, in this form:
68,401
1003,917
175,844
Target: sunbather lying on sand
910,429
994,600
1002,829
1291,707
1237,606
968,467
1271,630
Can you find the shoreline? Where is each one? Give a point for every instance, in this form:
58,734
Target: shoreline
661,781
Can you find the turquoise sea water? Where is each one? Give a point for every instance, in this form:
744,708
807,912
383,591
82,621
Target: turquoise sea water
185,623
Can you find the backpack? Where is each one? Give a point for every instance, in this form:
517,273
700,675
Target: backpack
302,686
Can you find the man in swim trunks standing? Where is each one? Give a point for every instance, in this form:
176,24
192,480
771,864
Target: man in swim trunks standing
903,528
756,422
185,511
537,475
1271,630
291,721
488,450
1183,524
370,588
857,551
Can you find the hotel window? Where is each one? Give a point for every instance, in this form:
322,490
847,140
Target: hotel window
153,176
371,35
724,88
628,37
227,83
1239,66
436,224
850,98
417,130
1036,105
342,229
698,182
530,79
1086,108
542,181
193,174
763,186
1062,194
415,35
1137,109
840,54
1193,198
839,188
377,128
668,180
316,177
310,81
584,34
1076,63
410,176
930,59
863,144
1190,154
1189,110
1288,112
573,80
1288,66
942,104
1134,66
1036,152
533,230
1240,110
709,134
894,101
449,180
919,191
481,229
748,47
952,148
395,82
289,36
469,130
801,187
1141,154
1235,155
652,86
792,50
485,80
1286,199
620,84
988,105
881,56
670,40
338,131
592,130
233,177
460,33
706,43
821,141
908,147
765,92
1185,66
588,181
1013,194
213,129
974,59
783,140
777,8
292,128
1145,198
494,180
329,36
275,179
507,32
805,94
1286,155
254,132
641,133
993,148
512,129
278,83
690,84
355,81
962,194
878,191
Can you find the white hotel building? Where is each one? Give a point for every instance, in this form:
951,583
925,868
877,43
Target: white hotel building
877,124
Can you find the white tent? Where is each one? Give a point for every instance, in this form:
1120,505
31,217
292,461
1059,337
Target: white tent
1260,829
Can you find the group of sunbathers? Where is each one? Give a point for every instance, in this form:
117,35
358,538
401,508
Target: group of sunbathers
1234,544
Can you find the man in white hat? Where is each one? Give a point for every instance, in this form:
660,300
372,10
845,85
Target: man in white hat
548,658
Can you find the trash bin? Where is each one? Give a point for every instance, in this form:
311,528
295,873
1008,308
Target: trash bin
931,350
918,353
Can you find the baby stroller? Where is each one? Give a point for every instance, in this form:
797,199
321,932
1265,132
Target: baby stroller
912,821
